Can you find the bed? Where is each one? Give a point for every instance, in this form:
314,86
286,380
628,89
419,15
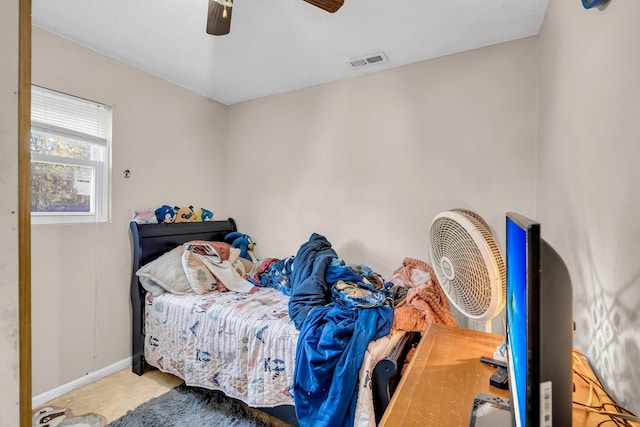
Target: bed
243,344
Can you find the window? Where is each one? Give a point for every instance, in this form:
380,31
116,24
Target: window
70,150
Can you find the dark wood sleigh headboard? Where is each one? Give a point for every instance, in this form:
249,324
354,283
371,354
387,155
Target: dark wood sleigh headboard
149,241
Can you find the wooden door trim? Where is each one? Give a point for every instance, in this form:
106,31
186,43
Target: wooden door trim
24,211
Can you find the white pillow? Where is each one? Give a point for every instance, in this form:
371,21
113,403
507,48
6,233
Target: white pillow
152,287
167,272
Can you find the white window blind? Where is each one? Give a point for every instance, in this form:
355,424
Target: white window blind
63,114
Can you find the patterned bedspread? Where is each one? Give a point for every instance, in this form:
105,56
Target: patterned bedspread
242,344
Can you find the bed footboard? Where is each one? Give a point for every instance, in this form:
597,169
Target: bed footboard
387,373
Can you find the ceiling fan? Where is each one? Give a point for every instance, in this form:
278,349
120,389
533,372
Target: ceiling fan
219,15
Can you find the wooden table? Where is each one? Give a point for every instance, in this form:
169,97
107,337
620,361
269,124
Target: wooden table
443,377
445,374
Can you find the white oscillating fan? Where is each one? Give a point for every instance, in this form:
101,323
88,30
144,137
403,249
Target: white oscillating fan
468,264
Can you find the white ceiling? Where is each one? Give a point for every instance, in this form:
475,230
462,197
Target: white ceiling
280,45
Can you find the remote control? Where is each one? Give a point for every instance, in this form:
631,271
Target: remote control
493,362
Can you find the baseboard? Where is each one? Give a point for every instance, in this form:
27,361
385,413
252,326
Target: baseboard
43,398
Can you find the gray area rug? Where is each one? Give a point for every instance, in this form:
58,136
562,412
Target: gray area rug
190,407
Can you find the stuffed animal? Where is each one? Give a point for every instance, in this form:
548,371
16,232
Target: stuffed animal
184,214
203,215
243,242
206,215
165,213
144,216
48,416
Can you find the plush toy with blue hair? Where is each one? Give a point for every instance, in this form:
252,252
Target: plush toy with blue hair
165,213
243,242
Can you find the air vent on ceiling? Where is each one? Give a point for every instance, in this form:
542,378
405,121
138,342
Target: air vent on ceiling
361,61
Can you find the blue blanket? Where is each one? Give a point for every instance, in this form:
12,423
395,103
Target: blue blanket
308,286
333,335
331,347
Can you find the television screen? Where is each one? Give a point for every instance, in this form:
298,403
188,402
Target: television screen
539,327
522,259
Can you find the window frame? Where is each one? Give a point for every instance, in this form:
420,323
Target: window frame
100,200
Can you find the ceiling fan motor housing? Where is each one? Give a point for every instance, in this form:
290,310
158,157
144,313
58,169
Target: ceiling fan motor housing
330,6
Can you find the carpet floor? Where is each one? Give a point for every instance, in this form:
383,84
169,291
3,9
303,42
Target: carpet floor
111,399
191,406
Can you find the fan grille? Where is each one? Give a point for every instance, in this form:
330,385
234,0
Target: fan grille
473,215
469,285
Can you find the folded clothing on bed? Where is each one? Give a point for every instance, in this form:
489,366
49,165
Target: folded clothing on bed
205,261
274,273
221,251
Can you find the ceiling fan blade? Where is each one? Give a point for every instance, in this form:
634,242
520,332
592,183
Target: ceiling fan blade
219,17
328,5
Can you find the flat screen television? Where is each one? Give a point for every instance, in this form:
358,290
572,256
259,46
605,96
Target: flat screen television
539,327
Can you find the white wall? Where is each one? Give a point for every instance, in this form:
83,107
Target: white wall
9,361
173,141
588,183
370,161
